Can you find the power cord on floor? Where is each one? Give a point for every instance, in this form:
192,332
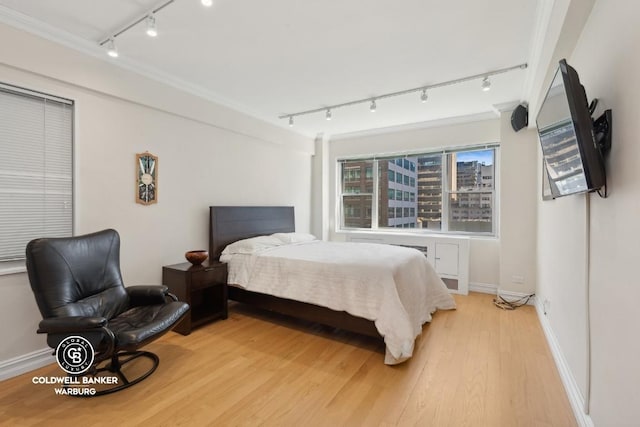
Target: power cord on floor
505,304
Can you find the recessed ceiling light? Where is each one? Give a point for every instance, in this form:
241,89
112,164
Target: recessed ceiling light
207,3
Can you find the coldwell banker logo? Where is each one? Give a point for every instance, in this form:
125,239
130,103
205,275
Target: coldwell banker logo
75,356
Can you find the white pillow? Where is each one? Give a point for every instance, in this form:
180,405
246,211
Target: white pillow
252,245
295,237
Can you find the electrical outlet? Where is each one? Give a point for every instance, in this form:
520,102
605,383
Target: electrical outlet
517,278
546,306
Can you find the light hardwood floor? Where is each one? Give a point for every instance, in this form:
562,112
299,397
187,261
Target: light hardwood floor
475,366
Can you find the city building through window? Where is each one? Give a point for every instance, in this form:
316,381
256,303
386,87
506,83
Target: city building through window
445,191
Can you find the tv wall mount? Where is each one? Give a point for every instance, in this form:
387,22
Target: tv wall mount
601,128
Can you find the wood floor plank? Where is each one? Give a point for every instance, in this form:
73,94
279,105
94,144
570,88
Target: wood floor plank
474,366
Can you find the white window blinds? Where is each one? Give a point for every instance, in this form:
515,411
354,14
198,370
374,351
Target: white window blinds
36,158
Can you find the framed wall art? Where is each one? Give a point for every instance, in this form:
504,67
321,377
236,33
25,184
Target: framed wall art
146,178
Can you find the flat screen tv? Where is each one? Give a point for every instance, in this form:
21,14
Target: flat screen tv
573,144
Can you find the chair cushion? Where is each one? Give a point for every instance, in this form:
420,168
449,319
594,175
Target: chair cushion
142,324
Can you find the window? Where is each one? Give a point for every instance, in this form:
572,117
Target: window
35,169
357,194
444,191
392,176
368,172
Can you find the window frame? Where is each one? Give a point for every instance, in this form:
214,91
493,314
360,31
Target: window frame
17,263
446,191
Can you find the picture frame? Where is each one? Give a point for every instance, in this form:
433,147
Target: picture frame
146,178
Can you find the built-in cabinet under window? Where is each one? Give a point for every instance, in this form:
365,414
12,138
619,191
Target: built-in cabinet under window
448,255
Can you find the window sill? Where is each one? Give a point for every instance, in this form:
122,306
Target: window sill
417,233
12,267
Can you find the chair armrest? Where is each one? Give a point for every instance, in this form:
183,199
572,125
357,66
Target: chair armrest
147,295
62,325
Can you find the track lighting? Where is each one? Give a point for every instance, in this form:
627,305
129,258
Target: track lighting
207,3
152,29
149,18
486,84
111,48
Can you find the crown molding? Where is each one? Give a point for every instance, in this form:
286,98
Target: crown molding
505,107
536,47
92,48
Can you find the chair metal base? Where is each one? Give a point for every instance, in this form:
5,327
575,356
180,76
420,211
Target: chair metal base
115,366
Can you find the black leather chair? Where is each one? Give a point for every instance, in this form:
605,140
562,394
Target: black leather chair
78,287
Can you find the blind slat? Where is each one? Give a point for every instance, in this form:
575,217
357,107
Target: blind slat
36,171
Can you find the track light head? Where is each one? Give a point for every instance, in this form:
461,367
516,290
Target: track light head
486,84
328,114
424,96
290,121
373,106
152,29
207,3
112,51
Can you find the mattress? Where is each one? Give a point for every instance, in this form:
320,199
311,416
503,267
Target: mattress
393,286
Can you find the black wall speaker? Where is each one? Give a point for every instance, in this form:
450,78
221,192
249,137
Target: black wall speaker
519,117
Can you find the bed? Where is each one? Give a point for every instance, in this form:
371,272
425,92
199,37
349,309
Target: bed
383,291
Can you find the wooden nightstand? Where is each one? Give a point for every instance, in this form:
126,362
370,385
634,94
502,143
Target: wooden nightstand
203,287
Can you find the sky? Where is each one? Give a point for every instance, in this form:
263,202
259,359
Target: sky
483,156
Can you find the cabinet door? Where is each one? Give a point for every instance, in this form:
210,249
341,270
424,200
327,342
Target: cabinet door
446,258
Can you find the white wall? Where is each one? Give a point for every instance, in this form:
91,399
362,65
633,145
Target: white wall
518,216
607,60
208,155
484,253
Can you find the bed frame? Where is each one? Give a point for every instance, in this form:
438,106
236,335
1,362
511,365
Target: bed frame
232,223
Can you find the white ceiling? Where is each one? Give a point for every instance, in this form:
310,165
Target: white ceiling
269,58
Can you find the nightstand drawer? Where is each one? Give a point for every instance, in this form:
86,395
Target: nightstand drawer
207,277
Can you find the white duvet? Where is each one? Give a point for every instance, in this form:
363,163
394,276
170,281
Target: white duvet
393,286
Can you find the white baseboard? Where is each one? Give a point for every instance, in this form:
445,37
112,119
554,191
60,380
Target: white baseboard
485,288
25,363
571,388
489,288
512,295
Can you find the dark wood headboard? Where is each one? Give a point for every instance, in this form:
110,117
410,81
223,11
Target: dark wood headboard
229,224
